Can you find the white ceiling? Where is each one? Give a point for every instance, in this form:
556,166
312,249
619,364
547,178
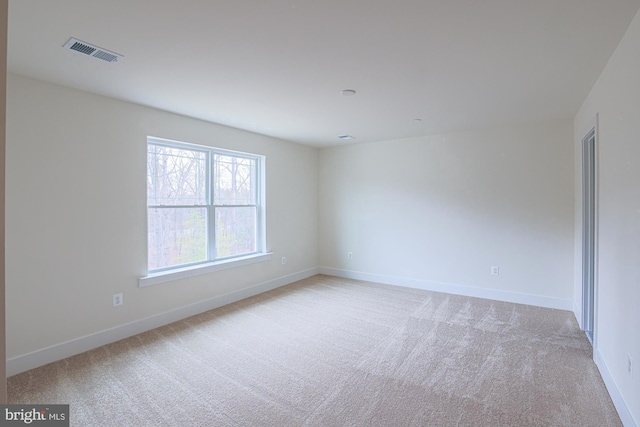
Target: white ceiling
277,67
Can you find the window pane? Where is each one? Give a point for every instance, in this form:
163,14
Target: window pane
235,231
235,180
177,236
176,176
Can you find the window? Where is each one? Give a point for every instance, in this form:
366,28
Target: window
203,205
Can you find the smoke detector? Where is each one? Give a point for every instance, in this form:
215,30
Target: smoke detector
92,50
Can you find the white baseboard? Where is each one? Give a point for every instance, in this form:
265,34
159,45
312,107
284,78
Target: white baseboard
616,397
451,288
41,357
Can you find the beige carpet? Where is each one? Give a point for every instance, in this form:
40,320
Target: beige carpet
332,352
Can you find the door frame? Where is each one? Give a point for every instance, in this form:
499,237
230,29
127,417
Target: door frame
589,233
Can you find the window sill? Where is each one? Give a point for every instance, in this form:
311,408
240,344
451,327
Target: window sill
196,270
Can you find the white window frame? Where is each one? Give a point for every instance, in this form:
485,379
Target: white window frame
181,271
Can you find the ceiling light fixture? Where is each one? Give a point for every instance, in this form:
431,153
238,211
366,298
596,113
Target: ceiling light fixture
345,137
347,92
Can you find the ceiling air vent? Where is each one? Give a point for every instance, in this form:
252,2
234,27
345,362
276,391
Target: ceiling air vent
92,50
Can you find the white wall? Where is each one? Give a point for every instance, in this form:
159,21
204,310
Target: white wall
4,5
439,211
615,99
76,213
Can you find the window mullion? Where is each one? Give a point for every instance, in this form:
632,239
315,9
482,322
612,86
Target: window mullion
211,230
211,211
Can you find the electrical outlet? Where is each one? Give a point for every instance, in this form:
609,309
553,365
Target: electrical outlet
349,255
630,365
495,270
284,260
117,300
